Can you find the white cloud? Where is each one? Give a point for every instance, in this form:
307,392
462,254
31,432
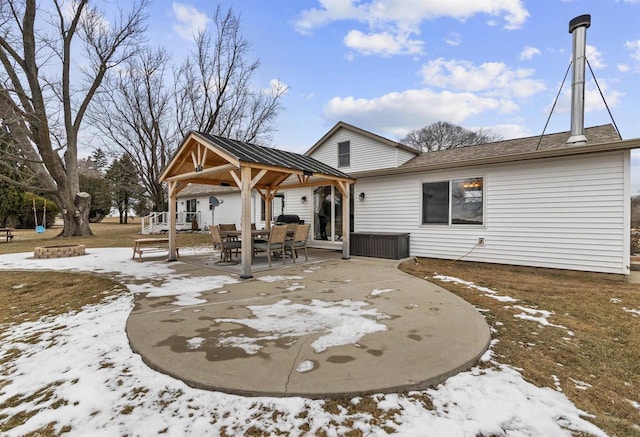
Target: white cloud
623,68
391,23
594,57
634,48
453,39
592,98
491,78
190,21
397,113
508,131
277,87
383,43
407,13
529,52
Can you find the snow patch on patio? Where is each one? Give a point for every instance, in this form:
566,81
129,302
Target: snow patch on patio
339,323
305,366
379,291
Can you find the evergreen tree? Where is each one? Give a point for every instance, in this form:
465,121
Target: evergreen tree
125,186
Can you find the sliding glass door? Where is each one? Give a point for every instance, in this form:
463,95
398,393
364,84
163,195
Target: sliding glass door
327,214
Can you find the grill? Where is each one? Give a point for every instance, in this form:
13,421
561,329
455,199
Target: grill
288,218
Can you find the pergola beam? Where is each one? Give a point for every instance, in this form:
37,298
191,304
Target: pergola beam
205,172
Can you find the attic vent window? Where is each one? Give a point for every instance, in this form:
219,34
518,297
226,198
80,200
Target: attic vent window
344,154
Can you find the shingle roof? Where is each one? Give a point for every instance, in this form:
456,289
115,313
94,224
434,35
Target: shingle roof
253,153
201,189
519,146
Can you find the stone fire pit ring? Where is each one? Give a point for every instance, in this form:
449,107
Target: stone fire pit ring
59,251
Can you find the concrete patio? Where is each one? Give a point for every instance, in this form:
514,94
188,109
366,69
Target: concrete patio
418,333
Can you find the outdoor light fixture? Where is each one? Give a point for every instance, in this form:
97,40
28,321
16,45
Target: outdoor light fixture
361,196
198,168
303,198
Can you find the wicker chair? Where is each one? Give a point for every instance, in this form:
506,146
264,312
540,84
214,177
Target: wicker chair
299,241
275,244
226,246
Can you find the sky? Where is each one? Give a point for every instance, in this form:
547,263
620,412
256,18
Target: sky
108,390
392,66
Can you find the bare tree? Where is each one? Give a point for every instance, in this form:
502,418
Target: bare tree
45,93
137,118
213,89
442,135
149,111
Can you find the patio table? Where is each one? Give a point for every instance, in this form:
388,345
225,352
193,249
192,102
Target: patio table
254,233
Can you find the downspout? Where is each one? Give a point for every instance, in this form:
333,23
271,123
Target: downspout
578,27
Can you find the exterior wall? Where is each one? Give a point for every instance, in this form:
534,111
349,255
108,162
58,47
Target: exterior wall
567,213
228,212
366,154
293,203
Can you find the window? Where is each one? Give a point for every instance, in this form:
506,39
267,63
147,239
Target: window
277,207
466,201
435,203
455,202
192,210
344,154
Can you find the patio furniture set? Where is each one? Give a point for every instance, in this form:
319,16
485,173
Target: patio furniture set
279,241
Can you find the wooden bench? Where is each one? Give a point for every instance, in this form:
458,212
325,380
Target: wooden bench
8,233
150,245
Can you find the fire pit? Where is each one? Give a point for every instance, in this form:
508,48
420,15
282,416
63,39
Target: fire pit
59,251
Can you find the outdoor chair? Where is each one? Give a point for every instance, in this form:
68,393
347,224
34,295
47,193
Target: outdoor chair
299,241
226,246
275,244
229,227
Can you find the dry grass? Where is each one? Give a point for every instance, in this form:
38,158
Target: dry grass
108,233
604,351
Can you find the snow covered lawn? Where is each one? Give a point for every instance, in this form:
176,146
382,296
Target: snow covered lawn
81,374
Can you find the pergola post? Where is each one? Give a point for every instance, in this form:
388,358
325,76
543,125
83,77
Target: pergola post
173,255
245,222
267,208
345,189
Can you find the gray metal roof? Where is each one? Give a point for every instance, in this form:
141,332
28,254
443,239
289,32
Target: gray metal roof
252,153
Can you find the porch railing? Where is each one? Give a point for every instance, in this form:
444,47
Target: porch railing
158,222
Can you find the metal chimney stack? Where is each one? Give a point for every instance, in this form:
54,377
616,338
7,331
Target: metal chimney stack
578,26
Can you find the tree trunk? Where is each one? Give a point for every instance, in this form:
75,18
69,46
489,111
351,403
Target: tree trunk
76,216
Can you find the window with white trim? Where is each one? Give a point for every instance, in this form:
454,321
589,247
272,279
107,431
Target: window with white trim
344,154
453,202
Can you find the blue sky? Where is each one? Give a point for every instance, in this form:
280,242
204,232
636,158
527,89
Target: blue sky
391,66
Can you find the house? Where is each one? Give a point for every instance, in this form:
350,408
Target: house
561,200
529,201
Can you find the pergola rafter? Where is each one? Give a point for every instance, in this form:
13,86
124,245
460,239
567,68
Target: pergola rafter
212,160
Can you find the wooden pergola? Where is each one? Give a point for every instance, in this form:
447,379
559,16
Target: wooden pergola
207,159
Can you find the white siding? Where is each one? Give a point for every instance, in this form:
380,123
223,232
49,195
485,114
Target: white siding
366,153
567,213
227,212
293,203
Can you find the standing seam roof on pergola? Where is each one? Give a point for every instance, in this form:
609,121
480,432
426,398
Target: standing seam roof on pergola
252,153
